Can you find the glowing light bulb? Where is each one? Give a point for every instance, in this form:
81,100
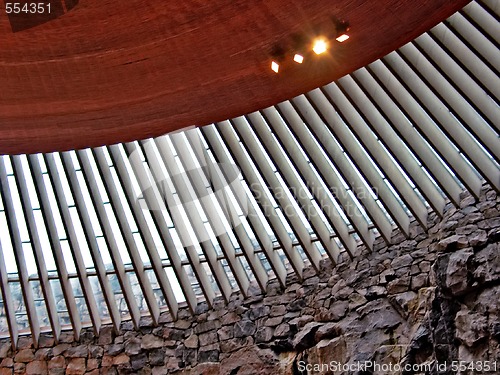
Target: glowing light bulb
275,67
298,58
320,46
342,38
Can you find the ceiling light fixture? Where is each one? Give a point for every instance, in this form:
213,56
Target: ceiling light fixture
320,46
300,46
275,67
298,58
342,38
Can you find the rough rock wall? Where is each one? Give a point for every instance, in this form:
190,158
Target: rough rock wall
431,299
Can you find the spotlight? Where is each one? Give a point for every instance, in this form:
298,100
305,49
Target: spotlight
342,38
298,58
275,66
320,46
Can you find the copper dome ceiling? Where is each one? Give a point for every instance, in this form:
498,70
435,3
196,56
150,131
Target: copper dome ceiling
110,71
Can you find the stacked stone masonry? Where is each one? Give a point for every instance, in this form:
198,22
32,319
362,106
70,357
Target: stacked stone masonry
427,299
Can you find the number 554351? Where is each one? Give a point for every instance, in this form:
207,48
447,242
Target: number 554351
27,8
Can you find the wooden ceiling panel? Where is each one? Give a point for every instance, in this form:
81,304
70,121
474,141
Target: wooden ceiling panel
111,71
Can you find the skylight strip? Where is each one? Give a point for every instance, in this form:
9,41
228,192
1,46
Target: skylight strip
405,159
251,257
146,233
30,187
126,229
399,144
151,180
7,301
314,182
483,18
476,39
261,196
204,196
426,125
446,120
55,245
373,178
133,195
376,152
227,205
91,239
476,68
7,244
38,251
193,217
332,158
277,189
407,129
18,209
56,175
467,85
374,119
293,182
453,99
253,217
20,260
304,140
260,181
53,208
107,221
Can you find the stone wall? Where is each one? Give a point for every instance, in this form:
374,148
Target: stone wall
432,298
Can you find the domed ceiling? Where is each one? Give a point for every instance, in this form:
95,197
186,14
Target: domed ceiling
108,71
